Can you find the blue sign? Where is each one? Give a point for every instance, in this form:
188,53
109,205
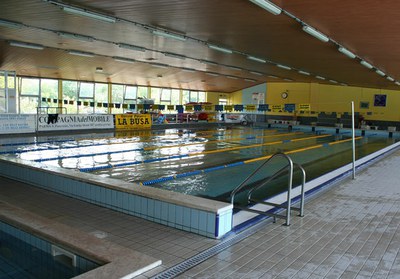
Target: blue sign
290,107
263,107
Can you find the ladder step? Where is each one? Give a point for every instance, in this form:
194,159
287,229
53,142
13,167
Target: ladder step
261,212
274,204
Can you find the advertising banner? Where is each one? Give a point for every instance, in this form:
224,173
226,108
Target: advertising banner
304,107
250,107
277,108
132,121
56,122
17,123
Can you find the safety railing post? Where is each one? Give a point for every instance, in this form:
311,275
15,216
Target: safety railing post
303,183
289,193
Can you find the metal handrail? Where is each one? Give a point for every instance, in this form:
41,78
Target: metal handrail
289,166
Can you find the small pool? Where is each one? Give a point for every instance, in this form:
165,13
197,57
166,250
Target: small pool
23,255
206,163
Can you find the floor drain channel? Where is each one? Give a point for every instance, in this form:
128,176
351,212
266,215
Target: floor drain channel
202,256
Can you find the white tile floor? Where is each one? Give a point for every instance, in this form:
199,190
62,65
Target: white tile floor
349,231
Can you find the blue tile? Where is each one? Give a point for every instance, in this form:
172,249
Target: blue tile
125,202
194,218
211,223
164,211
179,215
143,206
138,202
157,209
186,217
114,200
108,196
120,198
203,221
171,213
131,203
150,208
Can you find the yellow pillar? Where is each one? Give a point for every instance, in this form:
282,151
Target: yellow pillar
109,98
60,96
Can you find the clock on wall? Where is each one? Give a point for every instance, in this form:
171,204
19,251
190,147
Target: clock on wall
284,95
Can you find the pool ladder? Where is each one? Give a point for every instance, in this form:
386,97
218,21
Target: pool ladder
289,167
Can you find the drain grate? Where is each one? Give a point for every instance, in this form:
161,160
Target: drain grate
202,256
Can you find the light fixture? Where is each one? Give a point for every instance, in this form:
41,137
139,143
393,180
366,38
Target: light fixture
212,74
249,80
397,82
188,70
272,76
304,73
75,36
209,62
319,77
266,5
99,69
161,66
221,49
313,32
390,78
26,45
9,23
283,67
86,13
174,55
123,59
379,72
333,81
234,68
232,77
288,79
347,52
366,64
256,73
169,35
256,59
81,53
131,47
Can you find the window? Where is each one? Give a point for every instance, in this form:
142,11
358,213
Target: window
142,92
3,97
117,97
29,95
165,98
101,97
175,96
193,96
223,102
86,96
70,95
131,93
185,96
202,97
49,91
155,94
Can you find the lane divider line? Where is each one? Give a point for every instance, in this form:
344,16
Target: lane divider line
109,166
143,149
163,179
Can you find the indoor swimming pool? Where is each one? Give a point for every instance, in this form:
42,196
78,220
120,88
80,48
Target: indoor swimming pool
208,162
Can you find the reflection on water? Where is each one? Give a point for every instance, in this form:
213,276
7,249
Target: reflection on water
144,156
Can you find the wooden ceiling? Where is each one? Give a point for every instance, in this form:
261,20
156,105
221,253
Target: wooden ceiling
368,28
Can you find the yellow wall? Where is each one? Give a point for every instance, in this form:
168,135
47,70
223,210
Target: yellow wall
332,98
236,98
233,98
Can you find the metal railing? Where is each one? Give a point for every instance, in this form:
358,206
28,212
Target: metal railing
288,206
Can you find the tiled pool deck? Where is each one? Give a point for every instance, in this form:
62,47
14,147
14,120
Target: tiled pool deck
350,231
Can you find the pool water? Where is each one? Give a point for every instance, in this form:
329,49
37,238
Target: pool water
207,163
25,256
